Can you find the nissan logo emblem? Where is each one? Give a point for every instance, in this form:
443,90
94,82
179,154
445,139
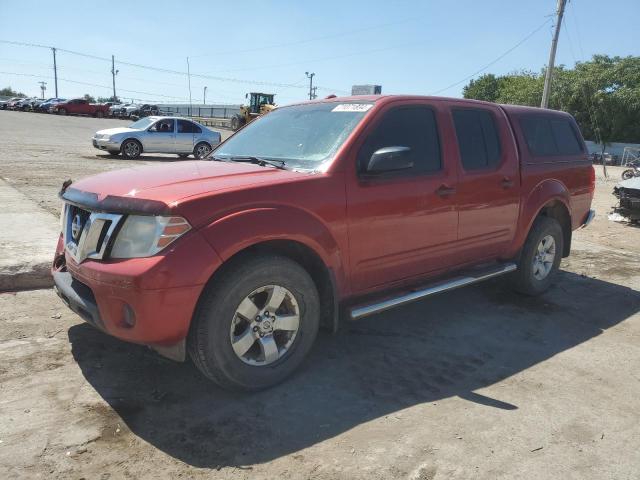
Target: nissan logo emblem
76,227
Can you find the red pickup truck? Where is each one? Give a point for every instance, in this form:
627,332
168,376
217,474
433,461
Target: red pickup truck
319,211
80,106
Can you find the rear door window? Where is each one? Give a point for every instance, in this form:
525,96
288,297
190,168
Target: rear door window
414,127
187,127
478,140
547,136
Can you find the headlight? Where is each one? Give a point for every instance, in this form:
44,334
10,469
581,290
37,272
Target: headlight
144,236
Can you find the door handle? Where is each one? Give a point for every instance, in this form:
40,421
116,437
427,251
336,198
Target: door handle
445,191
506,183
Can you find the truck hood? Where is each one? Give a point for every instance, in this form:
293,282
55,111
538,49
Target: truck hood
159,188
114,131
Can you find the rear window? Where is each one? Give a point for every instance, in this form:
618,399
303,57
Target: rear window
478,139
548,136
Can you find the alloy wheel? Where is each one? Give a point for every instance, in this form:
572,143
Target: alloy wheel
544,257
265,325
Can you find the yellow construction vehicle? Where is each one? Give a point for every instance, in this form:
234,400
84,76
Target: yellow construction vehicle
259,104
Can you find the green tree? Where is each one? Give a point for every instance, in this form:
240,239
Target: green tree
486,87
603,94
107,99
89,98
10,92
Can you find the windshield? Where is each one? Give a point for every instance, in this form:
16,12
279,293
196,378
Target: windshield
303,136
142,123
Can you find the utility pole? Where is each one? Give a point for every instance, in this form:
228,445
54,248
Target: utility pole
204,96
315,89
189,81
114,72
552,55
55,70
310,77
43,88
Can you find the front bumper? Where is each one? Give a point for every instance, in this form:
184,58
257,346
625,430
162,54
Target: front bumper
102,144
148,301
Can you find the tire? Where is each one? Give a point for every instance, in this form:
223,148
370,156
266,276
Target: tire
533,277
183,155
236,122
99,114
62,111
201,150
131,149
627,174
217,322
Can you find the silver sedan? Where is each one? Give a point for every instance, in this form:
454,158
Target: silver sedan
158,135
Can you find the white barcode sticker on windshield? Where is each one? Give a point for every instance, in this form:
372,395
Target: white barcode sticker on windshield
352,107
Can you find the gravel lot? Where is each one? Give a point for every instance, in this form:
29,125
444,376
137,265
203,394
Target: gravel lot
475,383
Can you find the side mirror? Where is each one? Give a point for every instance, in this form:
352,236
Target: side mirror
389,159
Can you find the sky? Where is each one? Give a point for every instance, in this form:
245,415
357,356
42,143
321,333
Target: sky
416,47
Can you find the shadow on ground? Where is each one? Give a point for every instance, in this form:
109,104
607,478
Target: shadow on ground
447,346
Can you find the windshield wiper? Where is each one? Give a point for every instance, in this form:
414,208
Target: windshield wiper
217,159
260,161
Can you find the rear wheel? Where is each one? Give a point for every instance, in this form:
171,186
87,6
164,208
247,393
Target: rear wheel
540,257
131,149
255,324
201,150
62,111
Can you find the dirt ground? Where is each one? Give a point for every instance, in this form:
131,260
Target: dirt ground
475,383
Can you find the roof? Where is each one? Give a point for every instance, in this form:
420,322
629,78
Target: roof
385,98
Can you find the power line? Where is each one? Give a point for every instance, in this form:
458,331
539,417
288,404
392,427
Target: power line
307,40
157,69
495,60
92,84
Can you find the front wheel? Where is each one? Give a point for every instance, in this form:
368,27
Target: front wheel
255,323
131,149
627,174
201,150
236,122
540,257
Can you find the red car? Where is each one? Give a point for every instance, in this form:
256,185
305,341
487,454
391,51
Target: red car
80,106
321,210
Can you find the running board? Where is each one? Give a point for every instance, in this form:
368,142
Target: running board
450,284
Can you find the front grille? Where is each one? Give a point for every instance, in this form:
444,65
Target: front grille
87,234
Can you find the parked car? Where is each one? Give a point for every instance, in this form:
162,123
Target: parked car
147,110
114,110
47,104
158,135
352,205
25,104
80,106
128,110
4,104
14,102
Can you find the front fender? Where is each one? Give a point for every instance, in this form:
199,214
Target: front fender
237,231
